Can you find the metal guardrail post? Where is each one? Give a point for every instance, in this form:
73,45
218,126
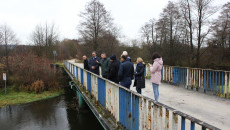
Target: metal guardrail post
226,84
89,85
166,119
174,121
222,79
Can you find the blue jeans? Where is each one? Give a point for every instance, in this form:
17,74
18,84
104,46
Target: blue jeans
156,91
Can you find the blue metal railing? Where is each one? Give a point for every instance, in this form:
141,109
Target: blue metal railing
216,81
132,110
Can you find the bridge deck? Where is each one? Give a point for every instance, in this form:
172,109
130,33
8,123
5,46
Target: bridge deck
211,109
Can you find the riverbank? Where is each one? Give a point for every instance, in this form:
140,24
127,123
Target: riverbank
12,97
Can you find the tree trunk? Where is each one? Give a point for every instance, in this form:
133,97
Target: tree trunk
171,43
199,35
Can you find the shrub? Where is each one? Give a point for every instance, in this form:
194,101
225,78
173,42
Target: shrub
23,87
26,68
37,87
53,85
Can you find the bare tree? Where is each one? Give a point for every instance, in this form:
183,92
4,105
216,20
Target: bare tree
9,41
95,21
1,46
44,38
161,27
203,10
152,23
146,32
221,31
187,15
186,10
37,38
67,49
172,18
110,41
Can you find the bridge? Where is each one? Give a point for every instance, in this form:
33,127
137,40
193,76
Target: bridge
191,106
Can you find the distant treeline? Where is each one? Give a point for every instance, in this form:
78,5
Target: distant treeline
184,35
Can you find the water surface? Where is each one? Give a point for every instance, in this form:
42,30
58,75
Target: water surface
58,113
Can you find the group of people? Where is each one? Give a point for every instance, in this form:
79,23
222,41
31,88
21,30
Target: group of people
123,71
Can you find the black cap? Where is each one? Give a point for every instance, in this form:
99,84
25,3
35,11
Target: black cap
113,57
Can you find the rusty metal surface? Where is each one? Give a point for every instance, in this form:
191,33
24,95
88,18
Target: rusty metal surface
149,114
155,115
174,121
85,79
141,114
166,119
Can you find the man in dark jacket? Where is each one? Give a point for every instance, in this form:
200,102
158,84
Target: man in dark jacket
125,53
93,65
126,72
104,63
85,62
113,69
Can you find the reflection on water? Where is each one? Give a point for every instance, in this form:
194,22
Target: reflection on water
56,113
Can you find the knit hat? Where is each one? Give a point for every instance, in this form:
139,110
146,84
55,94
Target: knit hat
113,57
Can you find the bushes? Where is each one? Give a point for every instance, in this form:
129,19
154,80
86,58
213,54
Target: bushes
39,86
36,87
33,73
53,85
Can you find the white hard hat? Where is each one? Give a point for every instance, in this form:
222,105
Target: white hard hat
125,53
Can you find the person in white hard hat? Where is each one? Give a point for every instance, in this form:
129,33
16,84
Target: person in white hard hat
125,53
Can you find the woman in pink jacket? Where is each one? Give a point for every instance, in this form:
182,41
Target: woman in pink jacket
156,73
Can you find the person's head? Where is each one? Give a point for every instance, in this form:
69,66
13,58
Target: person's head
155,56
139,60
123,58
103,55
84,57
125,53
94,54
113,58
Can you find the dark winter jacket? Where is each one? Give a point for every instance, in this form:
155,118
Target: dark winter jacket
86,64
113,71
105,63
139,76
129,58
92,62
126,73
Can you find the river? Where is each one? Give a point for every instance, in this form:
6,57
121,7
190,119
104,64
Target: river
58,113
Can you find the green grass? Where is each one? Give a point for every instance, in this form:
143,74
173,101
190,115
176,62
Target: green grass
60,63
12,97
147,77
219,89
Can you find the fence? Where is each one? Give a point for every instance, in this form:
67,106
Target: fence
132,110
216,81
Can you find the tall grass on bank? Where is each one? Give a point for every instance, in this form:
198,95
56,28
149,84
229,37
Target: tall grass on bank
13,97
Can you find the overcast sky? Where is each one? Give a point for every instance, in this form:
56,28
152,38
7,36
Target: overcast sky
23,15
